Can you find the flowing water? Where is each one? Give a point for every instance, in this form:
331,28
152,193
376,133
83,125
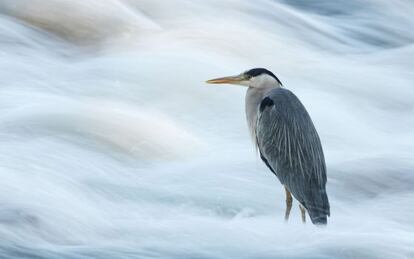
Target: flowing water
112,145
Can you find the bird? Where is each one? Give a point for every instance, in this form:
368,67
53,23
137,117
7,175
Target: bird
286,140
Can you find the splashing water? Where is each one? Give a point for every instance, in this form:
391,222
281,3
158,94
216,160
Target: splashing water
111,145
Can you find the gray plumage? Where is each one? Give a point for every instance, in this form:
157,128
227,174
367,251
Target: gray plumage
286,139
289,145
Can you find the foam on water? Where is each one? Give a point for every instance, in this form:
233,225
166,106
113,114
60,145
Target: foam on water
112,145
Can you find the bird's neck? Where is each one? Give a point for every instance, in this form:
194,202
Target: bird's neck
253,98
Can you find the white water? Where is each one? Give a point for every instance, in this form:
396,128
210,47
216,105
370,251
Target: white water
112,145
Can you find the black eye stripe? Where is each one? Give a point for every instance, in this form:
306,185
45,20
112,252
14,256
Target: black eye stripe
258,71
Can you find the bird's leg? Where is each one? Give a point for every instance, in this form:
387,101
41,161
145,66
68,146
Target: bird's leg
303,213
288,204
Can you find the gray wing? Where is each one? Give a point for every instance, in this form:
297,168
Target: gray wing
290,147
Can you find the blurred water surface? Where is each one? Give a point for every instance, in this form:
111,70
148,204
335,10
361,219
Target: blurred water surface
112,145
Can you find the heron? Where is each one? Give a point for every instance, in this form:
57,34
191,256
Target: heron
286,140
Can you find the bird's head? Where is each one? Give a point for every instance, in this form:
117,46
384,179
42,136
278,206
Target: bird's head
256,78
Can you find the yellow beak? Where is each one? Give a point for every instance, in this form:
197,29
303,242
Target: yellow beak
236,80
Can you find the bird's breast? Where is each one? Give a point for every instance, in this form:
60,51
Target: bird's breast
254,97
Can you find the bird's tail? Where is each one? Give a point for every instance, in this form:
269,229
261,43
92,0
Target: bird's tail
319,209
319,219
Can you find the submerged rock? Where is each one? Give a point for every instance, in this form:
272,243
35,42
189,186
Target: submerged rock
80,22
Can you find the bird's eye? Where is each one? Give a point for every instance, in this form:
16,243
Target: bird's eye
247,76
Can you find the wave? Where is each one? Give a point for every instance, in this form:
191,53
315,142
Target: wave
111,145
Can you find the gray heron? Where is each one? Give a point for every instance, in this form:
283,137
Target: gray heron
286,140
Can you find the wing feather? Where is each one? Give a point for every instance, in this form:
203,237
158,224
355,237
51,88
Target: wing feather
290,146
